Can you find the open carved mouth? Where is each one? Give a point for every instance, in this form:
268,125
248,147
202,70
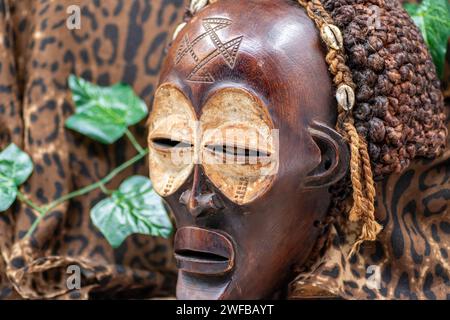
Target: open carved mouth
203,251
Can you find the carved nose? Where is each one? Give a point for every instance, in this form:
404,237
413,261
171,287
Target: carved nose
199,201
201,204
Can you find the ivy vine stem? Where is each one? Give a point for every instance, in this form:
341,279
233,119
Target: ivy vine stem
105,190
99,184
30,203
134,142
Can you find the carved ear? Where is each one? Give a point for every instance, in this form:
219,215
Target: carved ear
335,157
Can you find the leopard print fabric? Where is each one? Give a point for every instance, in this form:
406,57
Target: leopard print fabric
119,40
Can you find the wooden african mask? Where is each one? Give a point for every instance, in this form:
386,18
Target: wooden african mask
242,147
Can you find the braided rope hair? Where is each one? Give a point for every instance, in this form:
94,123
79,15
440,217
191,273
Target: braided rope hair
397,111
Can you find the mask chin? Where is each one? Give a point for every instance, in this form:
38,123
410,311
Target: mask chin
334,157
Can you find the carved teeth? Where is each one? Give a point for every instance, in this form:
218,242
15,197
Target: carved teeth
345,97
332,36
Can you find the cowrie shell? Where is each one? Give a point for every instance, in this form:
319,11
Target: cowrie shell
178,29
332,36
345,97
197,5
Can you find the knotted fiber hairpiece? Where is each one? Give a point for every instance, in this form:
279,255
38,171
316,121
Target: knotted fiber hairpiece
361,175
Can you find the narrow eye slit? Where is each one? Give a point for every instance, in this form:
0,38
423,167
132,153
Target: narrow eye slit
236,151
166,143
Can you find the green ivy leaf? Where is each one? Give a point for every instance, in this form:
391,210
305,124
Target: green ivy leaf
15,168
133,208
104,113
411,8
433,19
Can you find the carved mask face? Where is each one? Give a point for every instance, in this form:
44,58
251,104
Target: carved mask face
233,141
242,147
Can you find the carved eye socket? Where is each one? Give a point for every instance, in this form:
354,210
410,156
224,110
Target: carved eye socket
168,143
243,155
170,139
236,151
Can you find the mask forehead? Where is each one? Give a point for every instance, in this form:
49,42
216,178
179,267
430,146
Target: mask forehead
280,61
195,47
214,51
